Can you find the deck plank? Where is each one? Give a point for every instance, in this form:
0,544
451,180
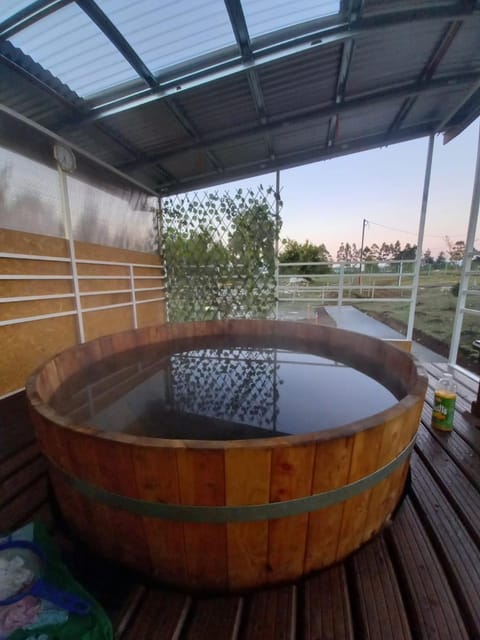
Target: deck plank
457,551
326,606
160,616
270,614
215,618
463,496
380,603
433,610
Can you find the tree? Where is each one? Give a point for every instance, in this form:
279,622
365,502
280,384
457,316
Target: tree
441,260
252,239
456,250
427,257
409,252
385,252
293,251
348,252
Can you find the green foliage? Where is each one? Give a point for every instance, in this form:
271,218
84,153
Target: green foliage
219,250
441,260
293,251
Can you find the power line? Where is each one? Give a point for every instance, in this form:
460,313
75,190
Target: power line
411,233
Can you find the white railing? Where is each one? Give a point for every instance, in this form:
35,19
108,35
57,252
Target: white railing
345,283
131,287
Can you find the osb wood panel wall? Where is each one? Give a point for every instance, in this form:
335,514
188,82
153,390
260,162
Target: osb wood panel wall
24,346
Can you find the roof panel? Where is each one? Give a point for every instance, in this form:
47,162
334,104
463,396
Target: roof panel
392,55
19,94
265,16
152,127
367,121
302,81
70,45
245,152
382,6
433,108
10,7
168,33
190,164
219,106
300,138
463,55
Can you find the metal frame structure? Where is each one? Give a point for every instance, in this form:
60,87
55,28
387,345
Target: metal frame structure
248,64
464,289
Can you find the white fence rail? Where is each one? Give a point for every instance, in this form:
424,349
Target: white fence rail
131,287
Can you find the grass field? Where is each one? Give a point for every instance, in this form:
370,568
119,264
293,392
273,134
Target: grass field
435,312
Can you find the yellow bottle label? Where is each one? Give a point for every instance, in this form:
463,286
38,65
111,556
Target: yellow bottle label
443,410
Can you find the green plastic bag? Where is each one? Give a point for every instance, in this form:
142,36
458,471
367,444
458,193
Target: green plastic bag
33,618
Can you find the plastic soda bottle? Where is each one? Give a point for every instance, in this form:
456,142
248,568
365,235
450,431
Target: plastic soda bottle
444,403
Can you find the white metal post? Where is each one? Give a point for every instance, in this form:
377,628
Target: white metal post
134,297
277,232
161,254
467,262
62,176
340,285
421,232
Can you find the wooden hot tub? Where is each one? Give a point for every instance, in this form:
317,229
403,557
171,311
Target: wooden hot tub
226,514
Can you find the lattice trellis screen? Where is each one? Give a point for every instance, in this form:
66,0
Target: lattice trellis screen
220,254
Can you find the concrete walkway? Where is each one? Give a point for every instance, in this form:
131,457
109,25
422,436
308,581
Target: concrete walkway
352,319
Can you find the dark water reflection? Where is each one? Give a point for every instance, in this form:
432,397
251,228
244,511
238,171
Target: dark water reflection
219,392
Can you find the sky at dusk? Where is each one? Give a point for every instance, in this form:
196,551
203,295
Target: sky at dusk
326,202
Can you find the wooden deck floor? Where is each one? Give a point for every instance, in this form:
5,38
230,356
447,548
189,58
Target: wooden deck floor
420,578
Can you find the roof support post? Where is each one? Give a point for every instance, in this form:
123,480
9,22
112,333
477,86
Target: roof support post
67,217
467,262
421,232
277,232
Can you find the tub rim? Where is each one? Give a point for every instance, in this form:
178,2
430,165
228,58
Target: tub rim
415,393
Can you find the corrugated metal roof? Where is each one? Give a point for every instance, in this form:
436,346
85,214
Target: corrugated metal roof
184,29
381,6
395,55
265,16
463,55
71,46
303,81
220,106
303,136
187,93
154,129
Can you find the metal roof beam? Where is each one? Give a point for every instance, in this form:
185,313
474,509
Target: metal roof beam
296,159
239,26
97,16
29,15
353,10
371,99
240,30
270,50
